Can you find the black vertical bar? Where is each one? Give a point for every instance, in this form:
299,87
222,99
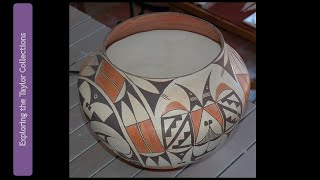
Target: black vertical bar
131,9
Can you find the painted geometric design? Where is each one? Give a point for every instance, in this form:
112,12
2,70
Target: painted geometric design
144,137
225,63
180,158
151,138
204,115
91,65
164,123
244,81
102,118
206,96
240,71
139,126
111,137
93,105
229,104
110,80
232,63
199,151
153,91
177,130
195,103
214,112
157,162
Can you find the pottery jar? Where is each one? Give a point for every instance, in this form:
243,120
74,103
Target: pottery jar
164,122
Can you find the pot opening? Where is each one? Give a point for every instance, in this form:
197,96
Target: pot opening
163,45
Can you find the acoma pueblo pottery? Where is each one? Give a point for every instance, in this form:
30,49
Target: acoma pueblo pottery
164,90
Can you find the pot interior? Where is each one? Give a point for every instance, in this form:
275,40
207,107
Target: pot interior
163,45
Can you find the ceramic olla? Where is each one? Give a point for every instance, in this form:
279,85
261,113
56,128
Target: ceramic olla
164,122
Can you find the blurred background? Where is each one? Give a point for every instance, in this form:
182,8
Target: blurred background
235,20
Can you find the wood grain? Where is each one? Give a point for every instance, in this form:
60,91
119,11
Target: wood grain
195,10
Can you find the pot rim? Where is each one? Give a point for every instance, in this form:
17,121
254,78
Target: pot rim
215,30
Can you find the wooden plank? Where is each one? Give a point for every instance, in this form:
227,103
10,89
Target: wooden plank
76,118
71,9
79,141
75,55
82,30
245,166
73,78
87,45
76,17
250,107
194,10
118,168
158,174
90,161
212,166
73,96
173,173
76,66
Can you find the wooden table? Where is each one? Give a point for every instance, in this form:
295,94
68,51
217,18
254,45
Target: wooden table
193,9
87,156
